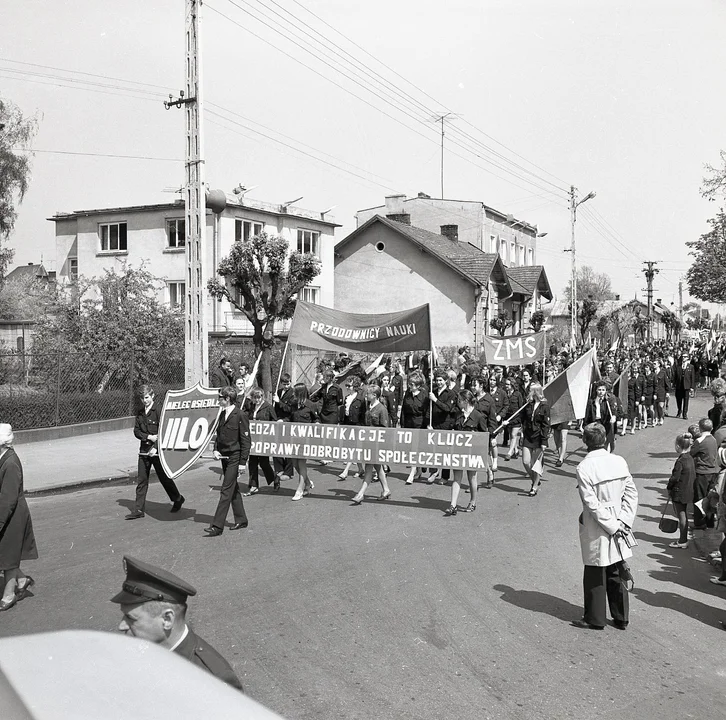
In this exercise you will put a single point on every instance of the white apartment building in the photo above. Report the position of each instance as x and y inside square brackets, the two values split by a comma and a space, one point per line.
[91, 241]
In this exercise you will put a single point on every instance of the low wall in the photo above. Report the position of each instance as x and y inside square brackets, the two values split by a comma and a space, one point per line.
[64, 431]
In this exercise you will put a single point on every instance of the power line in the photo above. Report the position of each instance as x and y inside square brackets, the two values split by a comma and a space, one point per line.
[103, 155]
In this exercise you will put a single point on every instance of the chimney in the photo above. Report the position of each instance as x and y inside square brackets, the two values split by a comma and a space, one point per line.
[395, 210]
[451, 232]
[659, 301]
[617, 297]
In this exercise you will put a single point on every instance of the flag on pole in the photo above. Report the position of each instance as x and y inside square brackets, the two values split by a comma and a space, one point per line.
[621, 387]
[251, 379]
[370, 370]
[588, 339]
[569, 392]
[614, 346]
[573, 345]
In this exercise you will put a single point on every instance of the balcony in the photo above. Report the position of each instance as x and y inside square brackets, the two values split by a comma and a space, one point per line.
[237, 323]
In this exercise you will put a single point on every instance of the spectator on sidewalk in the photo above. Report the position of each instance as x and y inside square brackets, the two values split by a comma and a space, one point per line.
[680, 486]
[705, 458]
[609, 504]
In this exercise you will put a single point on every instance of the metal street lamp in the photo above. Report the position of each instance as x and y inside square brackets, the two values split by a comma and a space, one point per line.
[574, 204]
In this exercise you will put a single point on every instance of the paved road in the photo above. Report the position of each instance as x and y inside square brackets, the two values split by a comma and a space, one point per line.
[390, 610]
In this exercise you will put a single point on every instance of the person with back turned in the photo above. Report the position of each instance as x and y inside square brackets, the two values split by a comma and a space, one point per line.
[154, 606]
[609, 503]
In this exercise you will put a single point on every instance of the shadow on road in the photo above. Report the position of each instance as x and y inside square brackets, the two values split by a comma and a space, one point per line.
[159, 511]
[540, 602]
[706, 614]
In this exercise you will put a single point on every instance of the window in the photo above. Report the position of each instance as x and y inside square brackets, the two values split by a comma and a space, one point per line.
[522, 255]
[176, 233]
[513, 254]
[73, 269]
[530, 256]
[310, 295]
[308, 242]
[177, 292]
[503, 250]
[492, 243]
[113, 237]
[246, 229]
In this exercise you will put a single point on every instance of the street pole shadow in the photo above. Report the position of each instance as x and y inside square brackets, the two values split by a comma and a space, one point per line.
[707, 614]
[159, 511]
[540, 603]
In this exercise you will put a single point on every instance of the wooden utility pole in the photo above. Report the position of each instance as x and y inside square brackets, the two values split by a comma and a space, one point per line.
[196, 341]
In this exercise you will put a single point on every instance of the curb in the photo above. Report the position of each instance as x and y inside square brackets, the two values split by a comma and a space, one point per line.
[62, 489]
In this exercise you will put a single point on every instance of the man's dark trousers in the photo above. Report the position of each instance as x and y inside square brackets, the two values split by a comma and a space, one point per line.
[683, 397]
[142, 486]
[230, 494]
[701, 487]
[599, 584]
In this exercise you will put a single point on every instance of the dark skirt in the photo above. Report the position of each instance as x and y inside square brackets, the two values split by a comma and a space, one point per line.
[17, 541]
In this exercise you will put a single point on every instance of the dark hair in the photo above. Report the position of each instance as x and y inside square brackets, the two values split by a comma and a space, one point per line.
[355, 382]
[466, 396]
[285, 378]
[594, 436]
[301, 393]
[145, 390]
[705, 425]
[223, 360]
[228, 392]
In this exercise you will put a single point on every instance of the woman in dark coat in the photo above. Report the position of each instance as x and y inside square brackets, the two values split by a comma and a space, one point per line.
[17, 541]
[415, 411]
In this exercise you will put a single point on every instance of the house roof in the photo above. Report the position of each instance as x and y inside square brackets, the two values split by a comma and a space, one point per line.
[531, 277]
[476, 266]
[28, 271]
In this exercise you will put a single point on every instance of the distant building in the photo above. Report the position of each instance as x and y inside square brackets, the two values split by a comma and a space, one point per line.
[31, 271]
[91, 241]
[486, 228]
[386, 265]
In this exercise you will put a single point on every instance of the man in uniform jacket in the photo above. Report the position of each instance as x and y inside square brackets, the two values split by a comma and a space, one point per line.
[330, 397]
[154, 605]
[684, 379]
[146, 430]
[232, 447]
[609, 504]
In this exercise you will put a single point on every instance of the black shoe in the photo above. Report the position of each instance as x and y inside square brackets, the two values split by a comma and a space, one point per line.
[451, 510]
[176, 507]
[276, 484]
[685, 417]
[239, 525]
[212, 531]
[135, 515]
[585, 625]
[620, 624]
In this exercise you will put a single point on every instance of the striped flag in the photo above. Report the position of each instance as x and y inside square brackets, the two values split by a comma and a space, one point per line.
[371, 369]
[621, 387]
[569, 392]
[614, 346]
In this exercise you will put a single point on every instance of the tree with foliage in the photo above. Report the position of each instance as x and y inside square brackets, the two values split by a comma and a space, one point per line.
[640, 325]
[698, 322]
[16, 133]
[501, 322]
[591, 284]
[706, 277]
[108, 319]
[537, 320]
[25, 298]
[586, 313]
[261, 278]
[714, 184]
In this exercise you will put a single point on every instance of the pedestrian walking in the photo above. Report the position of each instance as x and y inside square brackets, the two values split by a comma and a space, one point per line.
[153, 602]
[535, 435]
[609, 504]
[146, 430]
[17, 540]
[260, 409]
[231, 447]
[375, 416]
[303, 410]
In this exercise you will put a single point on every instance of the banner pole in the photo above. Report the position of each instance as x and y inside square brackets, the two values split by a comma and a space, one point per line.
[282, 366]
[544, 359]
[431, 383]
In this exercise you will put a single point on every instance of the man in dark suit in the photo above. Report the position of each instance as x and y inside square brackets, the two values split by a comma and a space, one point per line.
[603, 409]
[232, 447]
[684, 379]
[283, 407]
[223, 375]
[330, 397]
[154, 605]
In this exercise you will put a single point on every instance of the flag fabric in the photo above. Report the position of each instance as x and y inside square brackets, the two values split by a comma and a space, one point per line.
[621, 387]
[614, 346]
[588, 339]
[372, 367]
[573, 345]
[569, 392]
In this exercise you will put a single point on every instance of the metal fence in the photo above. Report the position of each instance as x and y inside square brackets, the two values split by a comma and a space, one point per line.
[38, 390]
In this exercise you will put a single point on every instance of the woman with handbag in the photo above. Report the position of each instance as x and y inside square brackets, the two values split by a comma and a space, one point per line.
[535, 435]
[680, 486]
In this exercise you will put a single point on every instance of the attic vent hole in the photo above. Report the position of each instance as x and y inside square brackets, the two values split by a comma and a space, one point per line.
[380, 246]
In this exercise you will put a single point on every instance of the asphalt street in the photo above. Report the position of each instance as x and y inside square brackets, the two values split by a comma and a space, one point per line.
[391, 610]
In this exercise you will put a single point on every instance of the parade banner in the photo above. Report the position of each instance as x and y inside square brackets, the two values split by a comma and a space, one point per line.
[323, 328]
[188, 421]
[514, 349]
[374, 445]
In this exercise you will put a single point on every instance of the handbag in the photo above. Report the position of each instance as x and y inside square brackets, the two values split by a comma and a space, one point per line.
[667, 524]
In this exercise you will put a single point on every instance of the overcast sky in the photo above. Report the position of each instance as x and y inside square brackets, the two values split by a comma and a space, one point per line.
[621, 97]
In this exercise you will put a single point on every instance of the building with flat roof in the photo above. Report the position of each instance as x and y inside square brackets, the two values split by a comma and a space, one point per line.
[91, 241]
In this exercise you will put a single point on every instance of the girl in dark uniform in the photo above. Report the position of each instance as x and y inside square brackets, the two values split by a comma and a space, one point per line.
[415, 412]
[536, 433]
[302, 411]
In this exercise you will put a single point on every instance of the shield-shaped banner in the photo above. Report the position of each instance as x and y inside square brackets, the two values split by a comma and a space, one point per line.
[188, 420]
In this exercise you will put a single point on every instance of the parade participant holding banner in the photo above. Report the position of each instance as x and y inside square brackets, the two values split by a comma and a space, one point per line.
[330, 397]
[516, 400]
[284, 398]
[501, 405]
[535, 432]
[232, 447]
[389, 400]
[302, 411]
[146, 430]
[468, 419]
[443, 413]
[415, 412]
[486, 406]
[354, 413]
[376, 416]
[260, 409]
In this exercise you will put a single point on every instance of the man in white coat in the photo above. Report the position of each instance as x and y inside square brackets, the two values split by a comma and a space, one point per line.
[609, 503]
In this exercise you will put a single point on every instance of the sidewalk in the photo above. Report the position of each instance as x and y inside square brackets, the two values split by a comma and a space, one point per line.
[82, 461]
